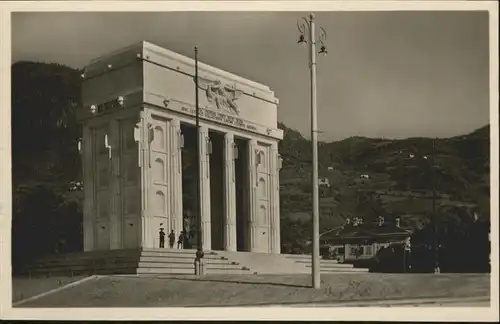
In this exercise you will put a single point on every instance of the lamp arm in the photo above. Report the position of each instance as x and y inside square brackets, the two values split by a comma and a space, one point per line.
[322, 35]
[301, 26]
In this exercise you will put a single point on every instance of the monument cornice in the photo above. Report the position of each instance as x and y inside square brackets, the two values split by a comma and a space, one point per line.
[157, 55]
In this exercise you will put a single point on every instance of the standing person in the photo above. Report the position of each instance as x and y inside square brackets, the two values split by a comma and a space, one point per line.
[162, 238]
[171, 239]
[180, 241]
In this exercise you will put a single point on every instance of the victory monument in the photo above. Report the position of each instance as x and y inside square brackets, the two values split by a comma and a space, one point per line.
[138, 154]
[140, 171]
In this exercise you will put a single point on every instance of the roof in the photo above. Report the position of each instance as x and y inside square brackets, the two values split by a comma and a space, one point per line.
[367, 230]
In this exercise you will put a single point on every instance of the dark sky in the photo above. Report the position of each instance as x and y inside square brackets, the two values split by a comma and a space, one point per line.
[388, 74]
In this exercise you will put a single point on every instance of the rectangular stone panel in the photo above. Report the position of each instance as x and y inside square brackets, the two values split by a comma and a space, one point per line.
[132, 201]
[131, 230]
[103, 203]
[131, 169]
[103, 239]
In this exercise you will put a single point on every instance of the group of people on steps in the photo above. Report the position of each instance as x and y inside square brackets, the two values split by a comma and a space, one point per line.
[171, 239]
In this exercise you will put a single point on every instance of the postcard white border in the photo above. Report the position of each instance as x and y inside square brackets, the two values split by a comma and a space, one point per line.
[370, 314]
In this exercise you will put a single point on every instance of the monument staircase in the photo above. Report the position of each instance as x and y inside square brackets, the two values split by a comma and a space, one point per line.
[144, 261]
[326, 265]
[156, 261]
[263, 263]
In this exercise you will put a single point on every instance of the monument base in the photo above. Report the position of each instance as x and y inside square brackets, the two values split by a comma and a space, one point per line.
[179, 261]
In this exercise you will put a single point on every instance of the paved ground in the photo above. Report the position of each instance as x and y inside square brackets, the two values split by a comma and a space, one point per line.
[428, 302]
[235, 290]
[24, 287]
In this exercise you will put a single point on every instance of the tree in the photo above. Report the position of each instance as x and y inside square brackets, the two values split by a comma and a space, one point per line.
[44, 159]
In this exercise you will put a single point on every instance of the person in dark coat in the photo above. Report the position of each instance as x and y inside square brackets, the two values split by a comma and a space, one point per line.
[180, 241]
[162, 238]
[171, 239]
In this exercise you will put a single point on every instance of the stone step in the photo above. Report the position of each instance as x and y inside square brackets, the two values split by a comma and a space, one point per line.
[92, 255]
[126, 268]
[176, 259]
[321, 261]
[151, 265]
[169, 254]
[225, 266]
[84, 262]
[179, 251]
[87, 265]
[160, 271]
[229, 271]
[328, 265]
[264, 263]
[156, 271]
[298, 256]
[334, 266]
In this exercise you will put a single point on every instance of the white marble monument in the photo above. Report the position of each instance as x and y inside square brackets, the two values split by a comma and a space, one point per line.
[135, 101]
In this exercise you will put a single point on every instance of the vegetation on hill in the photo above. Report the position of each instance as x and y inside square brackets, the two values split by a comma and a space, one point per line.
[45, 161]
[372, 177]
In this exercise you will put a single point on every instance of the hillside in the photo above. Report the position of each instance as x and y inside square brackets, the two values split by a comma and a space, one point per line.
[399, 177]
[45, 160]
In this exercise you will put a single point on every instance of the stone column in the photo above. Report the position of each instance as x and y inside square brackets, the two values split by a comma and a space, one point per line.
[252, 187]
[89, 212]
[144, 174]
[274, 200]
[204, 194]
[115, 219]
[229, 194]
[175, 176]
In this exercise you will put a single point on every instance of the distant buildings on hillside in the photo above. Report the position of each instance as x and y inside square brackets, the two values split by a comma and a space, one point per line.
[324, 182]
[357, 240]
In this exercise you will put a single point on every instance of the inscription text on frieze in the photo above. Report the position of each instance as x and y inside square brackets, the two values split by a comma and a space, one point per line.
[220, 117]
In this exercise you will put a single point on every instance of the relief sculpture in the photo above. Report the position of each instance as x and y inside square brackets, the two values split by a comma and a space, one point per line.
[222, 96]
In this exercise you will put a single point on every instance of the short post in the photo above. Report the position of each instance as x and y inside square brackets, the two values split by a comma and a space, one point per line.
[199, 264]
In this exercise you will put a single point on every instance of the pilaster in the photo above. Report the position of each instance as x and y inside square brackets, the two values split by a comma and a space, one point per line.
[229, 194]
[89, 214]
[176, 175]
[204, 194]
[115, 223]
[252, 212]
[144, 158]
[274, 200]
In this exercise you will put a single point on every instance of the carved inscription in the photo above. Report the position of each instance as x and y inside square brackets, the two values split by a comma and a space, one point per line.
[220, 117]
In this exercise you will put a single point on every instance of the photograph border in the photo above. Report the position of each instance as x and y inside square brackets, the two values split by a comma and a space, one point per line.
[352, 313]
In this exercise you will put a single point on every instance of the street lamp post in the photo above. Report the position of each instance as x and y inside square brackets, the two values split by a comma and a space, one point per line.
[316, 283]
[434, 216]
[199, 243]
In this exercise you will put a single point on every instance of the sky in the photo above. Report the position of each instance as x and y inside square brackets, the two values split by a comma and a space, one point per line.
[387, 74]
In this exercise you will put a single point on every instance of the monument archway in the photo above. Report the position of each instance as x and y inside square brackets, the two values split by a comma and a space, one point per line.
[138, 132]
